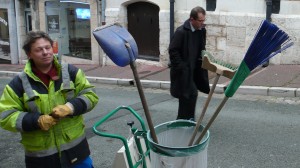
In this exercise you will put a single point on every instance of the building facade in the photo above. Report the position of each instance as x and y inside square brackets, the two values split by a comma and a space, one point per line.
[231, 26]
[69, 24]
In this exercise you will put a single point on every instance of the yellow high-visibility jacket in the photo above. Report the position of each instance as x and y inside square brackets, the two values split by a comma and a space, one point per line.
[26, 97]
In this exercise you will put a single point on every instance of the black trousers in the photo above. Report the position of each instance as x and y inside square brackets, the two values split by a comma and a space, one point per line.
[186, 108]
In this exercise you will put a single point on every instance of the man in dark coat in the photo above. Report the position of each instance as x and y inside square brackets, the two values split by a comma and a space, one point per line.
[187, 76]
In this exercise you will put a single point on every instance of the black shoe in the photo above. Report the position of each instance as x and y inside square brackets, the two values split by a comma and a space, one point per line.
[265, 64]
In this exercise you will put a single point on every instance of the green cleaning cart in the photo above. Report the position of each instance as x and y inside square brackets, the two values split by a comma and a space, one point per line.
[171, 151]
[136, 150]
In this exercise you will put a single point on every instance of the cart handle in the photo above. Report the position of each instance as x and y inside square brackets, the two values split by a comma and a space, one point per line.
[124, 140]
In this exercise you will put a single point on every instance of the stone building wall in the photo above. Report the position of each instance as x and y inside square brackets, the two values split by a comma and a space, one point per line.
[231, 27]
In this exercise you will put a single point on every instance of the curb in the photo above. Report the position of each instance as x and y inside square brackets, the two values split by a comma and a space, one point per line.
[220, 88]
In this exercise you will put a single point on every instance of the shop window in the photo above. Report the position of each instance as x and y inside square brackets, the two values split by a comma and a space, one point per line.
[4, 34]
[275, 6]
[211, 5]
[79, 32]
[68, 23]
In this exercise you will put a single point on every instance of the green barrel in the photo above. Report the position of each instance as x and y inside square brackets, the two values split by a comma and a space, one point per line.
[172, 149]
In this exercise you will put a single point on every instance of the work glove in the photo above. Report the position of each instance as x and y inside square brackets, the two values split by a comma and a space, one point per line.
[62, 111]
[45, 122]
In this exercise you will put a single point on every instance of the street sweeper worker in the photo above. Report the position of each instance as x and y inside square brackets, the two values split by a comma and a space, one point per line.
[186, 74]
[45, 104]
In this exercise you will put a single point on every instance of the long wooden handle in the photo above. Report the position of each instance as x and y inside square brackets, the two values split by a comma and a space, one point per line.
[144, 103]
[211, 120]
[204, 109]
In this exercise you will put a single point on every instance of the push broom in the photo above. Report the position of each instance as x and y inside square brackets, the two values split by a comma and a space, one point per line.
[122, 49]
[268, 41]
[219, 67]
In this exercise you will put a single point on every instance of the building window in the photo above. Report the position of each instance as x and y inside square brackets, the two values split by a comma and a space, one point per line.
[28, 21]
[275, 6]
[211, 5]
[27, 4]
[78, 22]
[28, 18]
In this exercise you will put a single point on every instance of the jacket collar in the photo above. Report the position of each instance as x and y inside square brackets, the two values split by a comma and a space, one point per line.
[187, 24]
[28, 67]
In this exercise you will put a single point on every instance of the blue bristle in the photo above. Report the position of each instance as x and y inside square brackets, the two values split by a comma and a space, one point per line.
[268, 41]
[278, 51]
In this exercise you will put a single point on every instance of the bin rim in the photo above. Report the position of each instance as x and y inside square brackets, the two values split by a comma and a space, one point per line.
[179, 151]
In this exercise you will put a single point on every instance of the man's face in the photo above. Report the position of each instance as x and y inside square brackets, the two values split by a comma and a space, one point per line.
[199, 22]
[41, 53]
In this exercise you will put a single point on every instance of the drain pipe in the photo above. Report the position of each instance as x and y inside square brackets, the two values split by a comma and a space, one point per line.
[268, 18]
[269, 10]
[103, 6]
[171, 18]
[171, 24]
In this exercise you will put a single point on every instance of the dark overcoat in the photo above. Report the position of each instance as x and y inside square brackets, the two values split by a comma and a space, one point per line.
[186, 74]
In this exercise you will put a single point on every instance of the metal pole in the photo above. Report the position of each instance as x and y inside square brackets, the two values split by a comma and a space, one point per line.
[171, 18]
[269, 10]
[268, 18]
[171, 23]
[143, 99]
[141, 92]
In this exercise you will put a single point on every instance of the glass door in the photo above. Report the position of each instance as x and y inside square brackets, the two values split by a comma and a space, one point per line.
[68, 23]
[54, 26]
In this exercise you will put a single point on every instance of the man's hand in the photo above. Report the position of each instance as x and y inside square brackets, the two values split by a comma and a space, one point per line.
[45, 122]
[62, 111]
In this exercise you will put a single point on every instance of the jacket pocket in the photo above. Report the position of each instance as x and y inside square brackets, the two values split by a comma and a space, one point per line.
[36, 141]
[73, 128]
[179, 81]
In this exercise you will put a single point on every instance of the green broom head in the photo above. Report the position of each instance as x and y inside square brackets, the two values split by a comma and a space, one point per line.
[268, 41]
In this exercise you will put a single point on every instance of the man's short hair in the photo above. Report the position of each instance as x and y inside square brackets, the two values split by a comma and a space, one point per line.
[195, 11]
[32, 36]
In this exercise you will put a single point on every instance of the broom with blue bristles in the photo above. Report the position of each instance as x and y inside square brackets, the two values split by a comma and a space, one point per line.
[268, 41]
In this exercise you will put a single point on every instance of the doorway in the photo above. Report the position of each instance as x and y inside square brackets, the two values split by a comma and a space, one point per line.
[68, 23]
[8, 31]
[143, 24]
[4, 37]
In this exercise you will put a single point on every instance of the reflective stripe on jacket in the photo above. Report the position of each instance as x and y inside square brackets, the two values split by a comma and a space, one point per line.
[27, 94]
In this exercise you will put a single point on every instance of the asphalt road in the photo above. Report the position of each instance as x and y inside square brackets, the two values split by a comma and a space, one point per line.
[250, 131]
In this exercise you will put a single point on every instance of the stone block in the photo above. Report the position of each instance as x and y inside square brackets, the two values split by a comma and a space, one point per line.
[219, 88]
[298, 92]
[214, 31]
[253, 90]
[282, 92]
[221, 43]
[150, 84]
[91, 79]
[236, 36]
[110, 81]
[164, 16]
[165, 85]
[125, 82]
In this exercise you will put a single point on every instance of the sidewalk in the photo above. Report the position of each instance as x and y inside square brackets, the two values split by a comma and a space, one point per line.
[274, 80]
